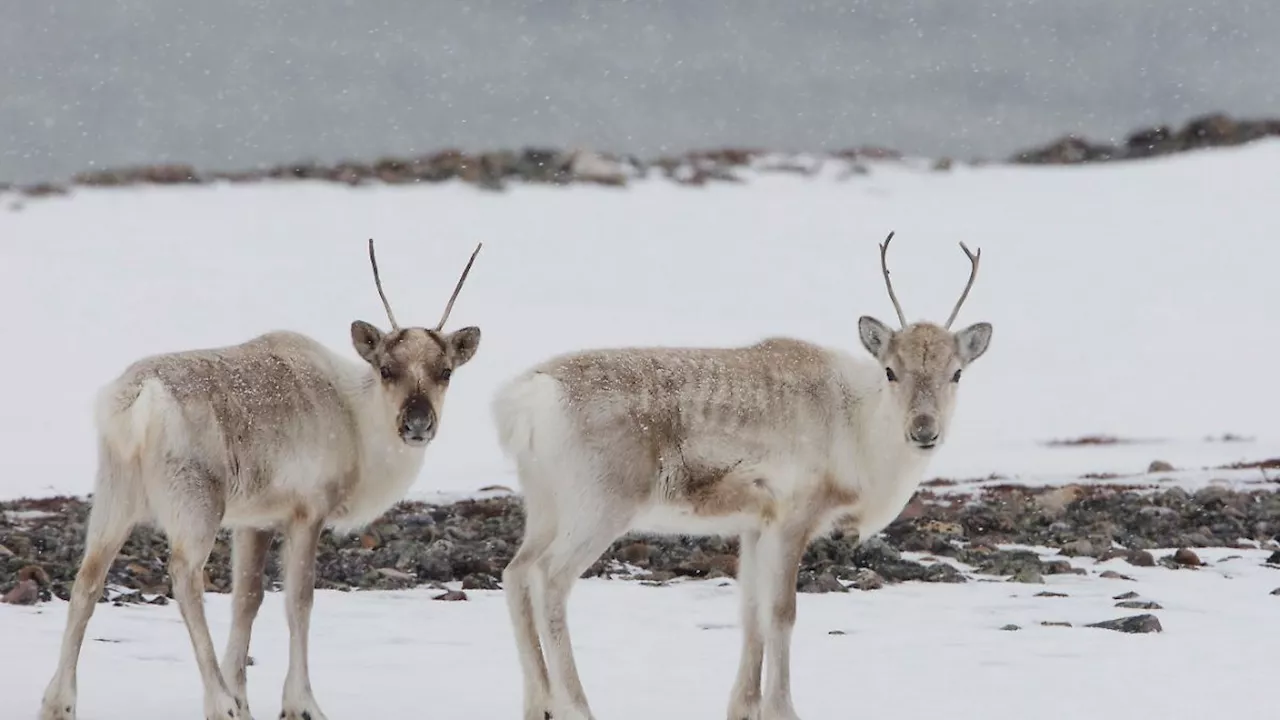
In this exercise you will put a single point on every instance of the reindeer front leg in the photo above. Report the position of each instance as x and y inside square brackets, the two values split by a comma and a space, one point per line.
[744, 702]
[778, 556]
[303, 536]
[248, 559]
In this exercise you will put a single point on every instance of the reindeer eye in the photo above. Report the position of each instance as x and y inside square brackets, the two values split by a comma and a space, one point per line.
[385, 371]
[956, 377]
[445, 374]
[888, 373]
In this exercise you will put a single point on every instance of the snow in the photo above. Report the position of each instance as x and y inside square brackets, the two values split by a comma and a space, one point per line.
[1135, 299]
[908, 651]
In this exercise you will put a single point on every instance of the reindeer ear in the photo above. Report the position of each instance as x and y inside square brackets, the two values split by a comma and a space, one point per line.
[366, 339]
[972, 341]
[875, 336]
[463, 344]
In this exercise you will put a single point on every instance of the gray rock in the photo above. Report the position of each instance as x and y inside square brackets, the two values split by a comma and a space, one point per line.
[1027, 575]
[820, 583]
[1140, 558]
[867, 579]
[1133, 624]
[1139, 605]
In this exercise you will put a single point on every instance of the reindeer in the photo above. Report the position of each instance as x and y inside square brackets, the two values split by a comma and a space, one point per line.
[775, 442]
[277, 433]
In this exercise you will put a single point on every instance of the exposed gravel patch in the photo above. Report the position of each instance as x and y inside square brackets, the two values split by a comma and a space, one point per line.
[41, 542]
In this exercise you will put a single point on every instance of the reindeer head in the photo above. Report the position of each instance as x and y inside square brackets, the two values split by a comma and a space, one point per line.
[922, 361]
[413, 365]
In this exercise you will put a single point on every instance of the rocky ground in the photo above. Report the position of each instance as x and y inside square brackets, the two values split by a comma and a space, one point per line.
[496, 170]
[471, 541]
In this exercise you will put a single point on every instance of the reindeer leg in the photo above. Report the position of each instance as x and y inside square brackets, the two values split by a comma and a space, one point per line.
[778, 556]
[110, 522]
[539, 532]
[744, 702]
[299, 587]
[248, 561]
[578, 543]
[193, 515]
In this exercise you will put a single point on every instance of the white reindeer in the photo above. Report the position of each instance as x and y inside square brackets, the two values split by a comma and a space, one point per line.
[774, 443]
[278, 433]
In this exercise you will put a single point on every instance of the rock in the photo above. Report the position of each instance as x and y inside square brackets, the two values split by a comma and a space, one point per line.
[26, 592]
[1274, 558]
[480, 581]
[944, 573]
[867, 579]
[1061, 567]
[1125, 596]
[35, 573]
[1027, 575]
[1133, 624]
[1276, 591]
[1139, 605]
[1081, 547]
[1159, 466]
[1184, 556]
[1113, 575]
[1010, 562]
[808, 582]
[836, 632]
[451, 596]
[1010, 627]
[1140, 558]
[1055, 623]
[1049, 593]
[5, 552]
[1066, 151]
[636, 553]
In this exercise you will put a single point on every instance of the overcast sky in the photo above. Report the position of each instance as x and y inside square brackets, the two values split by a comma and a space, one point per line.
[236, 83]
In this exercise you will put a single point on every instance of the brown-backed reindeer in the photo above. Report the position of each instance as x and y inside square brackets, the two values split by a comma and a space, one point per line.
[774, 443]
[278, 433]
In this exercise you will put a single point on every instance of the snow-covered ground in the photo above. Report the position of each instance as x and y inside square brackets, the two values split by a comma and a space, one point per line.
[1136, 300]
[908, 651]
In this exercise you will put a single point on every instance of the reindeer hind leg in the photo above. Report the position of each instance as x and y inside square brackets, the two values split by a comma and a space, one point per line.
[539, 531]
[584, 533]
[193, 505]
[117, 505]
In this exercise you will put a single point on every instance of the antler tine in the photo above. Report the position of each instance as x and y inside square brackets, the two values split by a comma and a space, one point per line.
[457, 288]
[973, 273]
[884, 267]
[373, 260]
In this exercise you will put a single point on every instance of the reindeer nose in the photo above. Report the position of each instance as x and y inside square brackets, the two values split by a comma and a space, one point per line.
[417, 423]
[924, 431]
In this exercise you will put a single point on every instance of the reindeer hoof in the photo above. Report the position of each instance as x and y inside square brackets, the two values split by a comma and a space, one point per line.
[60, 711]
[301, 714]
[225, 707]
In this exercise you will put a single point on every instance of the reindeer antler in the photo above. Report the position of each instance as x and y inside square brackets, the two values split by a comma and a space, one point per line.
[373, 260]
[448, 308]
[973, 273]
[884, 267]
